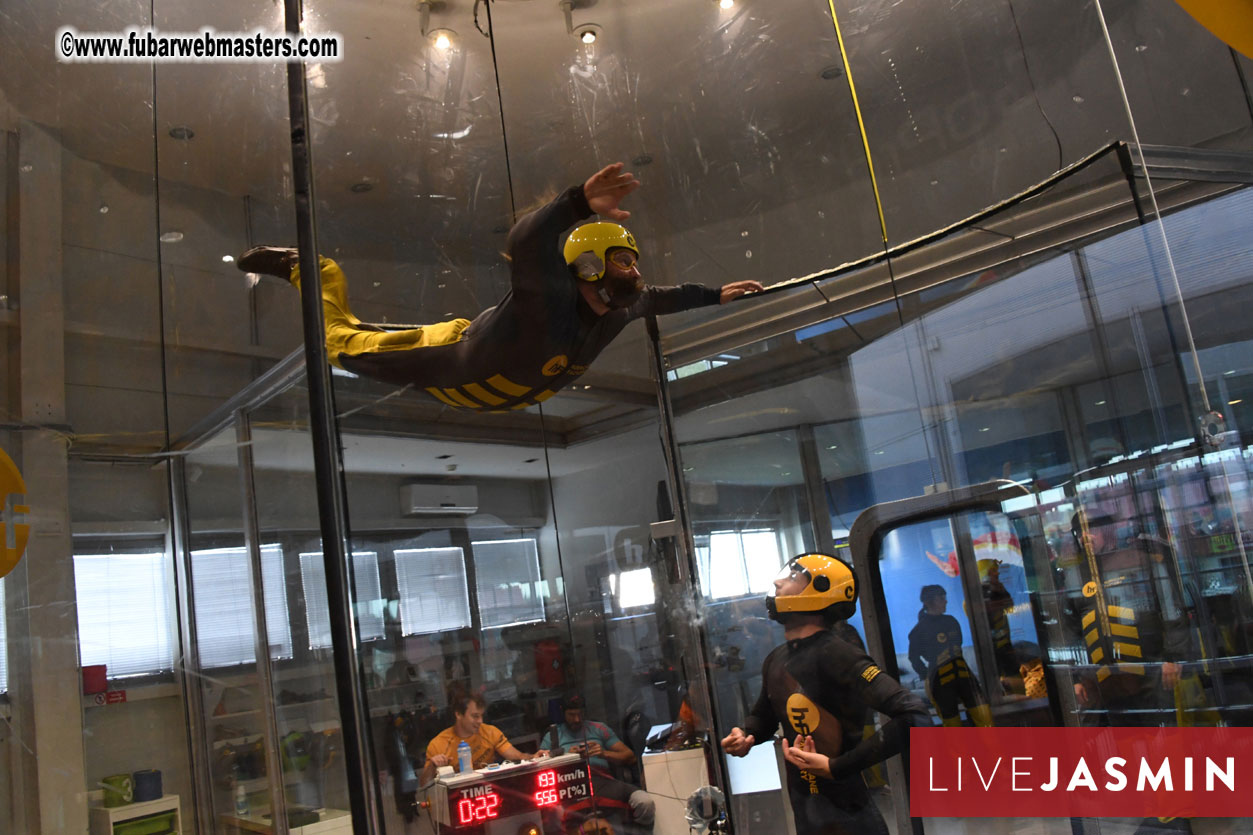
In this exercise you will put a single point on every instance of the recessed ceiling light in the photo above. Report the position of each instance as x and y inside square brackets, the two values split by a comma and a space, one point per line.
[726, 4]
[986, 429]
[171, 237]
[228, 259]
[878, 452]
[831, 72]
[361, 187]
[1100, 402]
[443, 39]
[833, 446]
[1234, 402]
[587, 33]
[181, 132]
[1229, 373]
[688, 469]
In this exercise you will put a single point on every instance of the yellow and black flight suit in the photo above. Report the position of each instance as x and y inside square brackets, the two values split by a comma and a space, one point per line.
[537, 340]
[821, 686]
[935, 652]
[998, 603]
[1133, 620]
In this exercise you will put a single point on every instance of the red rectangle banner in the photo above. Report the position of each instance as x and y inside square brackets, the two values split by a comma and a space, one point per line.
[1081, 772]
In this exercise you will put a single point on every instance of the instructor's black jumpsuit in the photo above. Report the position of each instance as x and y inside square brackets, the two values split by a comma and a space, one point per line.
[823, 674]
[536, 341]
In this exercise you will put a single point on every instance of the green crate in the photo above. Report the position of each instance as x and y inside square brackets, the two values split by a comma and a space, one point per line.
[161, 823]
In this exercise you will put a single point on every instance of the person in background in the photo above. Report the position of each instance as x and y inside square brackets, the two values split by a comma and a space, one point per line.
[935, 652]
[604, 751]
[487, 743]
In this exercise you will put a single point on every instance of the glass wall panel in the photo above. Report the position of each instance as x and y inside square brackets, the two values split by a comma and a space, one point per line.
[737, 119]
[231, 709]
[966, 104]
[307, 721]
[1065, 371]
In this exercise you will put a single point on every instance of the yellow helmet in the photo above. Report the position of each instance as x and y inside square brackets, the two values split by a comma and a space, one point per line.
[986, 566]
[830, 589]
[586, 247]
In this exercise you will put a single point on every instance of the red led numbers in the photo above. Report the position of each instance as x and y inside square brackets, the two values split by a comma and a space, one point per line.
[547, 794]
[481, 808]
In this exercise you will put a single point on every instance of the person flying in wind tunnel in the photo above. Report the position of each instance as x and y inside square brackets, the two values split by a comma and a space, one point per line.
[564, 306]
[819, 686]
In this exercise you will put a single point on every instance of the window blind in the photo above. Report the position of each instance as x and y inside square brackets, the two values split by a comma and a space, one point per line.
[4, 641]
[506, 580]
[124, 612]
[223, 603]
[368, 605]
[434, 595]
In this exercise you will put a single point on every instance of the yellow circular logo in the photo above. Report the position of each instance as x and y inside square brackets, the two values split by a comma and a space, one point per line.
[555, 366]
[1089, 589]
[802, 714]
[11, 487]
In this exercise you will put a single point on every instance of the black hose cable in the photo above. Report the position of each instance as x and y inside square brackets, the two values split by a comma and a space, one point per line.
[476, 18]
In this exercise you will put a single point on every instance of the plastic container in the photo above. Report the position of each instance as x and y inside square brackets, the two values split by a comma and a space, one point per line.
[241, 801]
[162, 823]
[465, 759]
[95, 679]
[147, 785]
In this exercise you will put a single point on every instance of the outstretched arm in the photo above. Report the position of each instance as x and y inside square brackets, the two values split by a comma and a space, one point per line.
[532, 242]
[736, 289]
[606, 189]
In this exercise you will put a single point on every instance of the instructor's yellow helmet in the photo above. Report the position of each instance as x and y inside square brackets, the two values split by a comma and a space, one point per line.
[586, 247]
[830, 590]
[985, 568]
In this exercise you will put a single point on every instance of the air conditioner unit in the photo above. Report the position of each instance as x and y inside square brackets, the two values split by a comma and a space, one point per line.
[439, 499]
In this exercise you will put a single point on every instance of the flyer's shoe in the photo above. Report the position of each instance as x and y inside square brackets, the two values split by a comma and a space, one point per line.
[277, 261]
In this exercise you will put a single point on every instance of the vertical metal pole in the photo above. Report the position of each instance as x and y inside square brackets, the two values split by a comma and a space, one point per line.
[363, 797]
[815, 491]
[686, 551]
[265, 683]
[189, 667]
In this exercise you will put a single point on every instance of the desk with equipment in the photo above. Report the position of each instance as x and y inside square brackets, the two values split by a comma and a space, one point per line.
[506, 798]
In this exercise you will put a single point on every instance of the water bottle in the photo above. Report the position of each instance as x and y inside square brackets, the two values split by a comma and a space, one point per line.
[465, 761]
[241, 801]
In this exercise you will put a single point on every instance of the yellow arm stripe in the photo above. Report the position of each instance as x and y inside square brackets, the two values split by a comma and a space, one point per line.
[1092, 637]
[434, 392]
[1123, 631]
[1088, 618]
[504, 384]
[544, 395]
[1097, 655]
[483, 394]
[461, 398]
[1122, 612]
[1126, 650]
[522, 405]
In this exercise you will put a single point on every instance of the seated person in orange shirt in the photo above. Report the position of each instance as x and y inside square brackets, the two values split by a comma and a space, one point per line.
[487, 743]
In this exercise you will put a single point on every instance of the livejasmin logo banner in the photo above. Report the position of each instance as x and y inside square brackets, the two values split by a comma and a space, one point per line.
[1081, 772]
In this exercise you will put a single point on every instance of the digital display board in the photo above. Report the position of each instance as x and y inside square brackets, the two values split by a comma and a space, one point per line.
[518, 791]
